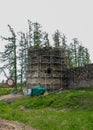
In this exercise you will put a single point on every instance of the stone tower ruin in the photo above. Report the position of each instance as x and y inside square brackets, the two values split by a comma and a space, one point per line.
[46, 66]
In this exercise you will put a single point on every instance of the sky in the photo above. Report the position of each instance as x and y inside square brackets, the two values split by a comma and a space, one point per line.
[74, 18]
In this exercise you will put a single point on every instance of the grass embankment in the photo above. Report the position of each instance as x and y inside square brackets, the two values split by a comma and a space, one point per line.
[70, 110]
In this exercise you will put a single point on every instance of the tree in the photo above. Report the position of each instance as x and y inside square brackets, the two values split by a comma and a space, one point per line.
[23, 56]
[56, 38]
[69, 57]
[21, 59]
[29, 35]
[46, 42]
[87, 57]
[80, 55]
[75, 51]
[77, 55]
[64, 41]
[9, 56]
[37, 35]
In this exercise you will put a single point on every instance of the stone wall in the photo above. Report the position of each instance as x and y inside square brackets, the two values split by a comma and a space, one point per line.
[80, 76]
[45, 66]
[48, 66]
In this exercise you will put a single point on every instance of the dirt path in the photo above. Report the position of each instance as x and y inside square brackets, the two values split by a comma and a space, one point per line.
[11, 97]
[13, 125]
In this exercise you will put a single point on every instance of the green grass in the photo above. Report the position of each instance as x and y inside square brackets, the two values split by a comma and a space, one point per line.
[5, 90]
[70, 110]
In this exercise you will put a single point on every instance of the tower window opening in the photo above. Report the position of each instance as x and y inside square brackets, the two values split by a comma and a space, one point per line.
[49, 71]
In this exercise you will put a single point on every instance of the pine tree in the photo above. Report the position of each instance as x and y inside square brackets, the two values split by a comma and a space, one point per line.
[80, 55]
[87, 57]
[75, 51]
[46, 42]
[69, 58]
[56, 38]
[23, 57]
[64, 41]
[9, 56]
[37, 35]
[29, 35]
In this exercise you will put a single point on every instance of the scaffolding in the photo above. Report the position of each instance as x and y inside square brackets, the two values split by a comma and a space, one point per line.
[46, 66]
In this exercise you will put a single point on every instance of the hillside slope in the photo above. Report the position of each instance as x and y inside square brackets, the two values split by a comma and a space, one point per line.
[69, 110]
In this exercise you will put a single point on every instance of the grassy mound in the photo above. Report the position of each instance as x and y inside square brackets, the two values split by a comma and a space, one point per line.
[73, 100]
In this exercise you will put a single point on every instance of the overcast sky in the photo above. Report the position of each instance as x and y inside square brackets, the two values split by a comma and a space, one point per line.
[74, 18]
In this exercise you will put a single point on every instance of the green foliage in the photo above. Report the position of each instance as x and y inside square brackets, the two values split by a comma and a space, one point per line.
[9, 56]
[23, 55]
[64, 42]
[5, 90]
[37, 35]
[56, 38]
[77, 55]
[46, 40]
